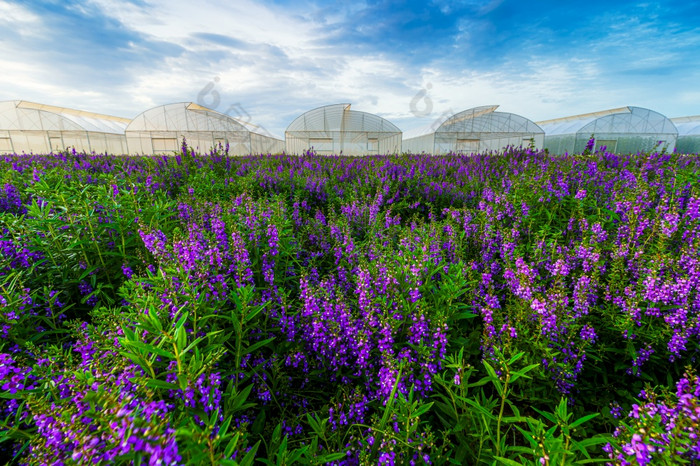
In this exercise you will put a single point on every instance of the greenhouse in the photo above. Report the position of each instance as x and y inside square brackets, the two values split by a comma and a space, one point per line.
[622, 130]
[688, 134]
[161, 129]
[335, 129]
[479, 129]
[32, 127]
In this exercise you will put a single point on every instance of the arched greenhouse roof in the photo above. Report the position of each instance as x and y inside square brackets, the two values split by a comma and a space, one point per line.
[687, 126]
[487, 120]
[188, 116]
[21, 115]
[484, 119]
[339, 117]
[623, 120]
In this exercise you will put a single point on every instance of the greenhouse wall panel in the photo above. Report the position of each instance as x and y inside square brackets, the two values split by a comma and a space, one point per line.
[336, 129]
[204, 129]
[688, 134]
[688, 145]
[419, 144]
[624, 130]
[33, 127]
[479, 129]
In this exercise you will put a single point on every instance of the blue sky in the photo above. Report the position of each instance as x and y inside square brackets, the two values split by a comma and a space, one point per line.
[411, 62]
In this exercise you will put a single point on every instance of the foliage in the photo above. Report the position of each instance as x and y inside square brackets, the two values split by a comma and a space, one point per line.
[493, 309]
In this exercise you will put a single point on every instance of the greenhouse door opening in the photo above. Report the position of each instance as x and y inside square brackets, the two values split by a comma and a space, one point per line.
[372, 145]
[5, 145]
[56, 144]
[164, 144]
[467, 146]
[610, 144]
[321, 144]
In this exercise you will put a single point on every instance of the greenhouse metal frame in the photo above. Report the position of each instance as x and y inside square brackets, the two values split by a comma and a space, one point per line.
[161, 130]
[688, 134]
[622, 130]
[336, 129]
[38, 128]
[476, 130]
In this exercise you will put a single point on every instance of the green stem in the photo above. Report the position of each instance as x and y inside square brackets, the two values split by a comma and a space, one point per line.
[239, 336]
[566, 449]
[95, 241]
[504, 395]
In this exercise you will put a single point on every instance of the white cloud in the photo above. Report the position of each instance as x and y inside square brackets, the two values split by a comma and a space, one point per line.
[13, 14]
[479, 6]
[175, 21]
[18, 20]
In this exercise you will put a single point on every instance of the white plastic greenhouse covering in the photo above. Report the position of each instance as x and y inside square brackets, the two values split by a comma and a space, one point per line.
[335, 129]
[32, 127]
[622, 130]
[479, 129]
[161, 129]
[688, 134]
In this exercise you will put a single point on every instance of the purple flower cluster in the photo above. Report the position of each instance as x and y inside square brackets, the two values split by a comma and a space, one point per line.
[11, 200]
[13, 378]
[98, 414]
[661, 429]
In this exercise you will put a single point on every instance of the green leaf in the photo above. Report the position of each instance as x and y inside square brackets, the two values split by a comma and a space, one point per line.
[295, 455]
[257, 345]
[515, 358]
[523, 372]
[580, 421]
[387, 412]
[493, 377]
[547, 416]
[224, 425]
[464, 315]
[191, 345]
[482, 410]
[136, 359]
[180, 337]
[253, 313]
[154, 320]
[259, 423]
[507, 461]
[421, 410]
[155, 383]
[150, 349]
[330, 457]
[228, 451]
[315, 425]
[181, 321]
[513, 419]
[528, 436]
[128, 334]
[248, 459]
[596, 440]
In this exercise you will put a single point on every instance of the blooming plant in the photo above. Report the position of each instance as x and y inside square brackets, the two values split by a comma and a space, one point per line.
[408, 309]
[661, 428]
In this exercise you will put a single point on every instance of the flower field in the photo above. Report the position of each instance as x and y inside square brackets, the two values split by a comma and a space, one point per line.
[511, 308]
